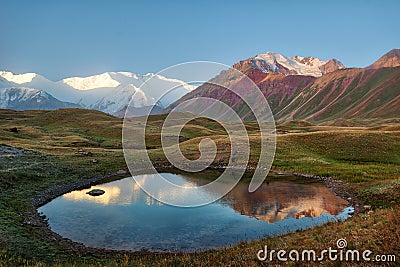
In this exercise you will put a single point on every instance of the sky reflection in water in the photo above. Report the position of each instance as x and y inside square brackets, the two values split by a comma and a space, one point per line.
[127, 218]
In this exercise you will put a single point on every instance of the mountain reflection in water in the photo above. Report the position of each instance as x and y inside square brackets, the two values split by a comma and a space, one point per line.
[272, 202]
[126, 218]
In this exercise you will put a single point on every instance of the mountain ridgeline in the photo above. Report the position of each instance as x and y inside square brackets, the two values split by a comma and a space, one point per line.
[110, 92]
[317, 91]
[297, 88]
[22, 98]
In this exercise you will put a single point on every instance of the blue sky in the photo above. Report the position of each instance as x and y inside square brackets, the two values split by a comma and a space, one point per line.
[77, 38]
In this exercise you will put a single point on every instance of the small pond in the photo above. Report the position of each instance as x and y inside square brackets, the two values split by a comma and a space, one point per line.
[126, 218]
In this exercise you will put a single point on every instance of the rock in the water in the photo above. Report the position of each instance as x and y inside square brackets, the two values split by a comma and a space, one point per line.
[96, 192]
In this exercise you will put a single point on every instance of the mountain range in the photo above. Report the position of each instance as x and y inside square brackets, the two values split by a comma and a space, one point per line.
[276, 63]
[310, 89]
[22, 98]
[109, 92]
[297, 88]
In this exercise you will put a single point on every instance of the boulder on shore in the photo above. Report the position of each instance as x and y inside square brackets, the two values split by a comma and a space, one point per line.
[13, 130]
[120, 172]
[367, 207]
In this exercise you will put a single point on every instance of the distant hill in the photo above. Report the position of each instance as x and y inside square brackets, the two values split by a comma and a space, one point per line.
[390, 59]
[67, 126]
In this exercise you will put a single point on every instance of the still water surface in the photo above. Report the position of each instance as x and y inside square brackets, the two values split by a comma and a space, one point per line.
[127, 218]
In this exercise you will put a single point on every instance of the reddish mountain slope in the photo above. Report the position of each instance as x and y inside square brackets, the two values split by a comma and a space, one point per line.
[278, 88]
[370, 93]
[390, 59]
[348, 94]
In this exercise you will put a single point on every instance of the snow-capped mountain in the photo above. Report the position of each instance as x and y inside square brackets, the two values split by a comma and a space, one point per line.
[92, 82]
[36, 81]
[112, 91]
[22, 98]
[277, 63]
[18, 78]
[109, 92]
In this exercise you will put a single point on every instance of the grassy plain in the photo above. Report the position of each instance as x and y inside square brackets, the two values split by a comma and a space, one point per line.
[365, 158]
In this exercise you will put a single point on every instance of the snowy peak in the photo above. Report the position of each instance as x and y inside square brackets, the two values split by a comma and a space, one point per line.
[187, 86]
[91, 82]
[115, 79]
[22, 98]
[309, 61]
[17, 78]
[109, 92]
[277, 63]
[21, 93]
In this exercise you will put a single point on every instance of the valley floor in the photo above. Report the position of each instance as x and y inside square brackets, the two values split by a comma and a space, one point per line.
[45, 153]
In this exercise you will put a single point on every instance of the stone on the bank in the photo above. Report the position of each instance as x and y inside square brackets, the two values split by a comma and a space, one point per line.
[367, 207]
[121, 172]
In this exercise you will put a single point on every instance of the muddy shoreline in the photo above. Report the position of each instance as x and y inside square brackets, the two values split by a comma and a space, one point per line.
[39, 221]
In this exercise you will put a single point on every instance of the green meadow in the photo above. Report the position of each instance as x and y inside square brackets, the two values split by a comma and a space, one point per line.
[365, 158]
